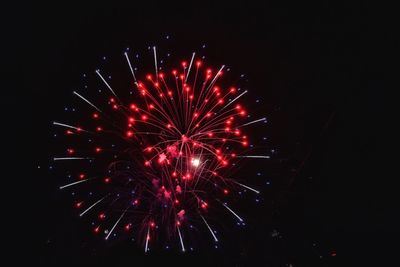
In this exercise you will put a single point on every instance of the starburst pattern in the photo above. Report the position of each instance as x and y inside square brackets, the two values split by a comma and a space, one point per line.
[178, 137]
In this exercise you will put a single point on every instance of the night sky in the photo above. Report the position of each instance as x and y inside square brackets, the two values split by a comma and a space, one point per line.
[314, 67]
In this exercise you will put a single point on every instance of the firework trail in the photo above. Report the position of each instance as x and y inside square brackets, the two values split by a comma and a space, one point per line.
[172, 160]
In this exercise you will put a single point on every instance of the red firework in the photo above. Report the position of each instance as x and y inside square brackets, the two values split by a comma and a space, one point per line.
[178, 137]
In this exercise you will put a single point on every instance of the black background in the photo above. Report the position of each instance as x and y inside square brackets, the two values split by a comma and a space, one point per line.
[320, 69]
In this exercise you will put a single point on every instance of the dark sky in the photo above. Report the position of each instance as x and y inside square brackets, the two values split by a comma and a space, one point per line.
[320, 70]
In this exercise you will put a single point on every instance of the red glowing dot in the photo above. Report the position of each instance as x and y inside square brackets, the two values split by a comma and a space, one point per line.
[151, 106]
[232, 90]
[78, 204]
[98, 149]
[99, 129]
[149, 149]
[174, 72]
[147, 163]
[148, 77]
[95, 115]
[136, 202]
[69, 132]
[244, 143]
[82, 176]
[133, 106]
[184, 64]
[131, 120]
[127, 227]
[152, 224]
[112, 100]
[178, 223]
[129, 133]
[102, 216]
[107, 180]
[176, 201]
[226, 191]
[174, 174]
[70, 151]
[198, 63]
[204, 205]
[144, 117]
[184, 138]
[115, 106]
[96, 230]
[161, 75]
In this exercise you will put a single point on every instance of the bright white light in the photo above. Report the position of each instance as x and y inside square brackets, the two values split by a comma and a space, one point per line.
[195, 162]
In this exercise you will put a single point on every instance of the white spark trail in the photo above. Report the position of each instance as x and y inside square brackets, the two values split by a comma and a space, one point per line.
[190, 66]
[209, 228]
[237, 216]
[70, 158]
[106, 83]
[146, 247]
[180, 237]
[87, 101]
[68, 126]
[97, 202]
[112, 229]
[255, 121]
[155, 61]
[236, 98]
[74, 183]
[254, 157]
[130, 67]
[248, 187]
[217, 75]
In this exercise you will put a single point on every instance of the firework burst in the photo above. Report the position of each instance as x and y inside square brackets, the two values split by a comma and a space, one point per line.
[177, 137]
